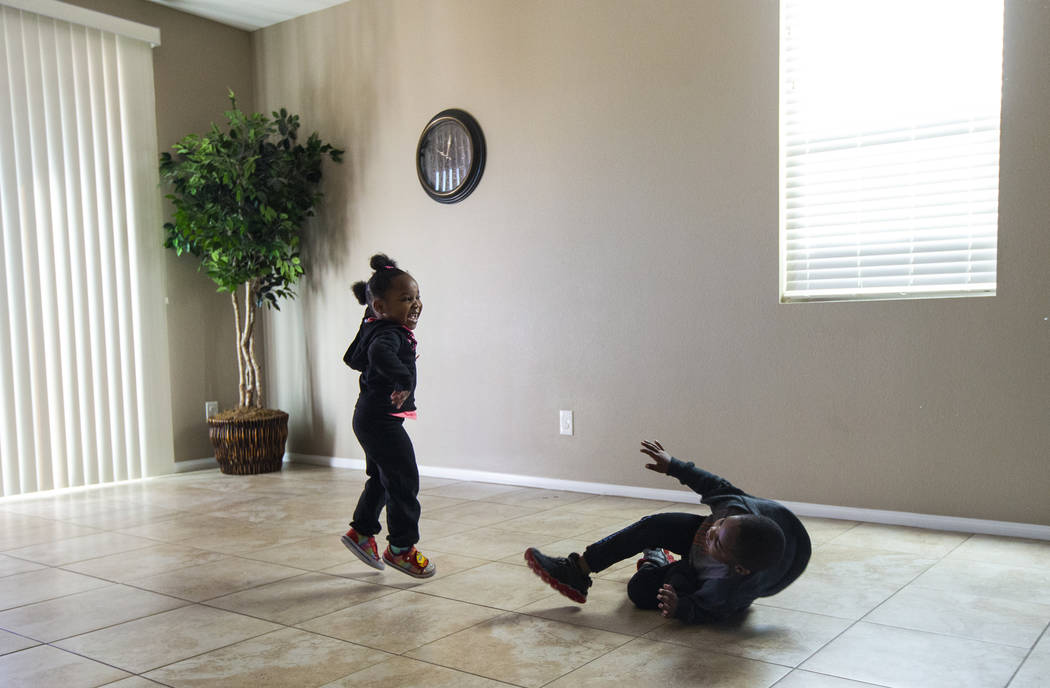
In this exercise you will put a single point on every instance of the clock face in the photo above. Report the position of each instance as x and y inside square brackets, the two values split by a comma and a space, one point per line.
[444, 157]
[450, 156]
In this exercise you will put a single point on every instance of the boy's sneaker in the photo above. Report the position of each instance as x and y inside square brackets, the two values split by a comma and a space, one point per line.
[364, 548]
[411, 561]
[655, 557]
[561, 573]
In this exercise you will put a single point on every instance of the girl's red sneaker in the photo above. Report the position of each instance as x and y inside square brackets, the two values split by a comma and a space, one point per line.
[411, 561]
[364, 547]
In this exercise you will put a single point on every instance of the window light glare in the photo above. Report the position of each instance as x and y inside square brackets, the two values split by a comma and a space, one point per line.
[890, 147]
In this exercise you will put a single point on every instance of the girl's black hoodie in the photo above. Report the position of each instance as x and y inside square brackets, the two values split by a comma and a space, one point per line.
[385, 353]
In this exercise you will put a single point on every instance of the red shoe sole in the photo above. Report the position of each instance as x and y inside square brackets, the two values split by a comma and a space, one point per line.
[569, 592]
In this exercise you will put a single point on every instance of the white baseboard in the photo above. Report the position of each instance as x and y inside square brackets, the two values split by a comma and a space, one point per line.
[898, 518]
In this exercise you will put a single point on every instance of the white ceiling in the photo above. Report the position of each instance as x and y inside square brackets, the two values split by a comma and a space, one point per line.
[249, 14]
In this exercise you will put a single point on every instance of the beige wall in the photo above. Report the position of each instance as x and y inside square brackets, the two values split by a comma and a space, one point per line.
[619, 258]
[196, 62]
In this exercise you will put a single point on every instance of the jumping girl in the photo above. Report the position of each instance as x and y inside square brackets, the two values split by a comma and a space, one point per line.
[384, 350]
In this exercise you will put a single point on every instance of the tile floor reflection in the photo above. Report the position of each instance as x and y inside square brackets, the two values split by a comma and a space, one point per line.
[203, 579]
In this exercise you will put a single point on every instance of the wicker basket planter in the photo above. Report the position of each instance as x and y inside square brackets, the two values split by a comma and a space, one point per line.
[249, 446]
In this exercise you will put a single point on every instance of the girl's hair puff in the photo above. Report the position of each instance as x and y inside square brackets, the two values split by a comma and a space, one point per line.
[385, 271]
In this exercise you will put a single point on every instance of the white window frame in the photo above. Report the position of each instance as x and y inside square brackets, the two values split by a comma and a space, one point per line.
[889, 166]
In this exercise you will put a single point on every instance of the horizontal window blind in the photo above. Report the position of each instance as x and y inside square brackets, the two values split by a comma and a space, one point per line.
[84, 382]
[889, 116]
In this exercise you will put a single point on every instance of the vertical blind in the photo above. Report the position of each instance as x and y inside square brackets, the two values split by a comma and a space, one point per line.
[84, 393]
[889, 115]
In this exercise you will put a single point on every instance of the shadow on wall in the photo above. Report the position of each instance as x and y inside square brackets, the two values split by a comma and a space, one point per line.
[332, 83]
[341, 93]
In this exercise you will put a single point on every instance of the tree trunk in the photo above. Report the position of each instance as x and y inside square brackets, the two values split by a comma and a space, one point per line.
[249, 374]
[256, 372]
[245, 349]
[241, 382]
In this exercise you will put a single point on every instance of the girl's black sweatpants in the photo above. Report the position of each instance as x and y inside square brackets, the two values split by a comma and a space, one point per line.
[393, 479]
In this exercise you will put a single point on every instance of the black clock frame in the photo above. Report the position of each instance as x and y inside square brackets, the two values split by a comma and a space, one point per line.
[477, 163]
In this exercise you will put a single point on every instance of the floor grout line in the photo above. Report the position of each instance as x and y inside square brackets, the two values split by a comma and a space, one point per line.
[1045, 634]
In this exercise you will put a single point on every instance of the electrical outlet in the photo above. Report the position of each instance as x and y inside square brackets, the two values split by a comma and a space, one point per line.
[210, 409]
[565, 422]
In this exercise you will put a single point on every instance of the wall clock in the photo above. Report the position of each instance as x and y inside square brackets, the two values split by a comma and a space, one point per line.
[450, 156]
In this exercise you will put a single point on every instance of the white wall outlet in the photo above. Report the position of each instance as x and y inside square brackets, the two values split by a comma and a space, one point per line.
[565, 422]
[210, 409]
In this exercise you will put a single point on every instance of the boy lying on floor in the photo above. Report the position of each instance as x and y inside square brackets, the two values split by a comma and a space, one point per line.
[749, 547]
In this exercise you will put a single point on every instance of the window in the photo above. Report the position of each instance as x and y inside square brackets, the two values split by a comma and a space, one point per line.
[889, 164]
[84, 378]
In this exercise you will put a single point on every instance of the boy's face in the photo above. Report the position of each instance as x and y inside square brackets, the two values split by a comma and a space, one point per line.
[720, 542]
[401, 303]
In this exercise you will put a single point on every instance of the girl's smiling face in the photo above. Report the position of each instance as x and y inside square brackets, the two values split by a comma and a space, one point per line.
[401, 303]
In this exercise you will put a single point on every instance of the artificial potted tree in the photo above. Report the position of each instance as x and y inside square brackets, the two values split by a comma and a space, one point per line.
[241, 197]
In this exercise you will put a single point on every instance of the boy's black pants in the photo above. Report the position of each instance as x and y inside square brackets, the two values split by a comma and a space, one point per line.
[393, 479]
[670, 531]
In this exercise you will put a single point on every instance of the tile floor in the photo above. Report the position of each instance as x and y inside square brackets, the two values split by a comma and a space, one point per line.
[204, 579]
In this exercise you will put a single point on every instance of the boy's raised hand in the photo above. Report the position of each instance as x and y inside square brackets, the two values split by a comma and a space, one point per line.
[661, 459]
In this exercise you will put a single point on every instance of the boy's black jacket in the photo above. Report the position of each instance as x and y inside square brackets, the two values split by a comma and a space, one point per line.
[385, 354]
[719, 598]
